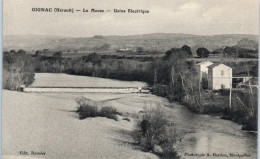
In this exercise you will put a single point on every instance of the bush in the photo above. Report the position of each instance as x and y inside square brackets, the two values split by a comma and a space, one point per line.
[108, 112]
[88, 109]
[154, 134]
[251, 124]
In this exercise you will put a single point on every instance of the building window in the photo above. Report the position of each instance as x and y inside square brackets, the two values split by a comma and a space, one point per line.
[222, 72]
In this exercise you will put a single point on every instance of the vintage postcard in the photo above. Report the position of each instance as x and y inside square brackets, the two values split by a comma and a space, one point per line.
[133, 79]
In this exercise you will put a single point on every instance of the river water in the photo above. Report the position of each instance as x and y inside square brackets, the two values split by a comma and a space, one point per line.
[205, 134]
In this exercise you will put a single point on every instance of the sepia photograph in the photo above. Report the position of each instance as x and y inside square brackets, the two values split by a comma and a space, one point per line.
[132, 79]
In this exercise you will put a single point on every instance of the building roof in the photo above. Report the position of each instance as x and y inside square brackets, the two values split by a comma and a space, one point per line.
[215, 65]
[204, 62]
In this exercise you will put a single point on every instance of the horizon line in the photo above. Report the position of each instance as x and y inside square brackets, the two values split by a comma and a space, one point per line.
[125, 35]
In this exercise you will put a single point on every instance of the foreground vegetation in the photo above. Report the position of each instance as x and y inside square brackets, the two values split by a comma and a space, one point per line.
[18, 69]
[153, 133]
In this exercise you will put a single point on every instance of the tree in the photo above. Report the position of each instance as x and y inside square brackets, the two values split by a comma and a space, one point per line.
[38, 53]
[217, 51]
[57, 55]
[21, 51]
[229, 51]
[178, 52]
[203, 52]
[187, 49]
[185, 83]
[12, 51]
[93, 57]
[139, 49]
[18, 69]
[46, 51]
[8, 58]
[254, 71]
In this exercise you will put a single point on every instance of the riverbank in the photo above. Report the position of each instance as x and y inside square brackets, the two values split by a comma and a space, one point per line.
[243, 109]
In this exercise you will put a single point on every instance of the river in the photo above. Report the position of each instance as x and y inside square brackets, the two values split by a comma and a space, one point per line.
[210, 134]
[201, 134]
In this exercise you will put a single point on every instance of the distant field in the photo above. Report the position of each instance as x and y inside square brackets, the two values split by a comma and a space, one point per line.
[149, 54]
[108, 53]
[216, 59]
[65, 80]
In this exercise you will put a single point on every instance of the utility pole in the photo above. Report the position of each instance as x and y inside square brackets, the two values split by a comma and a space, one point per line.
[230, 96]
[230, 92]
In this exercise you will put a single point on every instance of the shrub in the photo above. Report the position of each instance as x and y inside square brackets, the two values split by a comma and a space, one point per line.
[108, 112]
[154, 134]
[251, 124]
[88, 108]
[86, 111]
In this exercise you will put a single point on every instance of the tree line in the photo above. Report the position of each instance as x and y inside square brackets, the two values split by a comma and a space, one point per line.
[233, 51]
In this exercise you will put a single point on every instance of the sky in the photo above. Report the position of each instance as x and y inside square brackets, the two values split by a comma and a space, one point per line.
[200, 17]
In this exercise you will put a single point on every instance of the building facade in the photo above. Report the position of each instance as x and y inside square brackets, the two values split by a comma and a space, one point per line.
[202, 69]
[219, 77]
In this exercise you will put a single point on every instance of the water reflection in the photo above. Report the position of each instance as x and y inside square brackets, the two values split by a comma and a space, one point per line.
[208, 134]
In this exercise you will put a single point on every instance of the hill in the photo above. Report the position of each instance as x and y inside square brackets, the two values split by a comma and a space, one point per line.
[157, 41]
[247, 44]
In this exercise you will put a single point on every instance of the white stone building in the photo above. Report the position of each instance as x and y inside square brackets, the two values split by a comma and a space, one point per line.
[202, 69]
[219, 77]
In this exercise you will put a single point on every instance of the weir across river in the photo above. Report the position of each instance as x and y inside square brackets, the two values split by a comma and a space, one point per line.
[87, 89]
